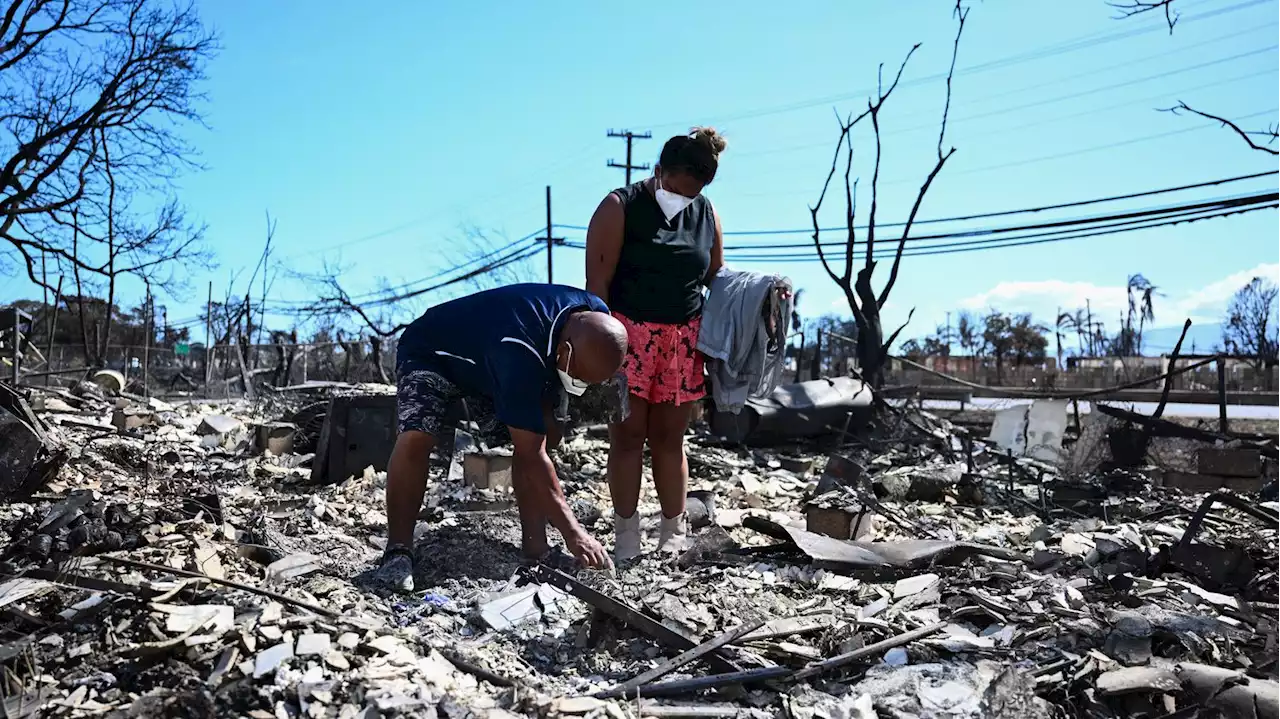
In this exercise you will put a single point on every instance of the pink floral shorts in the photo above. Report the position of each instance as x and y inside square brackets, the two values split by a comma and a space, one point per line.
[663, 364]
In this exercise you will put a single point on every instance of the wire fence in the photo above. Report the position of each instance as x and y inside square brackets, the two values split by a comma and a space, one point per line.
[220, 370]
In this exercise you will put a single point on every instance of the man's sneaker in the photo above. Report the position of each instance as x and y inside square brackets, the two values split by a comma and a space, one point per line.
[396, 570]
[626, 537]
[673, 534]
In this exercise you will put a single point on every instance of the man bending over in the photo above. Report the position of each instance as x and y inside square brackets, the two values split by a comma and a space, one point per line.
[506, 353]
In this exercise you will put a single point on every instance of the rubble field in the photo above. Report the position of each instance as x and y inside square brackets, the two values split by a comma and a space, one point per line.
[179, 561]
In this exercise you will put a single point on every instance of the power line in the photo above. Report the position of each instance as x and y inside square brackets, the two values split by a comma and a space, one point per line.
[1046, 158]
[1071, 222]
[1049, 230]
[1002, 213]
[517, 255]
[888, 248]
[430, 278]
[1164, 96]
[545, 172]
[1081, 43]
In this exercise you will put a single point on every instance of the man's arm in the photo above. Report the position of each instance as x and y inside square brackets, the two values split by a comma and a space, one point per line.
[519, 381]
[534, 469]
[532, 461]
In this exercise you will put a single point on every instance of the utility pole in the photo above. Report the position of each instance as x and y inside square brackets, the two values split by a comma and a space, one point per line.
[551, 240]
[149, 324]
[208, 328]
[629, 136]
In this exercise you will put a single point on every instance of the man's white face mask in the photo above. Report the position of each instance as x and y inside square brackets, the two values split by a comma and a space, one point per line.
[572, 385]
[671, 203]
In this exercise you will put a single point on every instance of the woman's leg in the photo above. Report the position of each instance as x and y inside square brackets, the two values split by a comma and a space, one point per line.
[666, 429]
[626, 458]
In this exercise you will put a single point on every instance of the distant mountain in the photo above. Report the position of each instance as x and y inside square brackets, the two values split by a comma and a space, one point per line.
[1204, 337]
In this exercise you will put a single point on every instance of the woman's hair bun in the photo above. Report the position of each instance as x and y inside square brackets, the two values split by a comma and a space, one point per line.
[709, 137]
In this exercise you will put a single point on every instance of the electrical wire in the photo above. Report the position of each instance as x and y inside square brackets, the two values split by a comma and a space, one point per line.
[1001, 213]
[1120, 221]
[1068, 46]
[1067, 223]
[1163, 97]
[888, 248]
[517, 255]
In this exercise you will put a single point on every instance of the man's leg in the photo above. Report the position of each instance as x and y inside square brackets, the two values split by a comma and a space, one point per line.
[421, 400]
[406, 484]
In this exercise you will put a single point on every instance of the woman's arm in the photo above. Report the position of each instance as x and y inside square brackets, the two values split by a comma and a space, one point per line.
[604, 244]
[717, 251]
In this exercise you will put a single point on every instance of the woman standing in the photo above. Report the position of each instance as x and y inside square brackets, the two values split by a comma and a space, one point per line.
[651, 248]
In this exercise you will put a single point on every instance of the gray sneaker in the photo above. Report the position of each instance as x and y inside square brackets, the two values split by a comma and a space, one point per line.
[396, 570]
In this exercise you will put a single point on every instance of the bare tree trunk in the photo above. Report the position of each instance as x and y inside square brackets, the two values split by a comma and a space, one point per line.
[245, 377]
[376, 341]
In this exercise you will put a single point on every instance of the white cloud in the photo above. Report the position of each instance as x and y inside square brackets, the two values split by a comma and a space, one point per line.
[1209, 303]
[1043, 298]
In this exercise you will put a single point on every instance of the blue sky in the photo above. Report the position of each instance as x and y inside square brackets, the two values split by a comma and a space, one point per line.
[375, 134]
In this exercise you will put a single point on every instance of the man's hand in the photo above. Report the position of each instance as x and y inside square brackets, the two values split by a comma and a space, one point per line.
[589, 552]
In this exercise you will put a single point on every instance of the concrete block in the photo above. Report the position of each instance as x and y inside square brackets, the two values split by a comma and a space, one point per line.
[487, 470]
[276, 437]
[1243, 462]
[125, 420]
[840, 471]
[799, 466]
[837, 522]
[218, 424]
[1204, 483]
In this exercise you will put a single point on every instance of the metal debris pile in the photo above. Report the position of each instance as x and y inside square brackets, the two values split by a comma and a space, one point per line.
[182, 561]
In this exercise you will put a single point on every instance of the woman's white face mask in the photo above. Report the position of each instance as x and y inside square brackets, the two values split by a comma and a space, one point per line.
[671, 203]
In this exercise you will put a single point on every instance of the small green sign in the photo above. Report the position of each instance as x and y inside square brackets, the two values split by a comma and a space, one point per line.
[182, 349]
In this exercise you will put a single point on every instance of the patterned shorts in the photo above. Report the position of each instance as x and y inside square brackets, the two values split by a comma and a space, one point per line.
[427, 402]
[663, 364]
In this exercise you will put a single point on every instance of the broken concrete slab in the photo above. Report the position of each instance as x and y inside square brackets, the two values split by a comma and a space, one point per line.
[1234, 462]
[490, 469]
[293, 566]
[218, 424]
[1205, 483]
[837, 521]
[132, 418]
[275, 437]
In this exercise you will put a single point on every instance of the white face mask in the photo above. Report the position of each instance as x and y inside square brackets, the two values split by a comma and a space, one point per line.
[671, 203]
[573, 386]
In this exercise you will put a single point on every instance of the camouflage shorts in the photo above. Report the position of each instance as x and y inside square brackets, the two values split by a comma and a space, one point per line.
[428, 402]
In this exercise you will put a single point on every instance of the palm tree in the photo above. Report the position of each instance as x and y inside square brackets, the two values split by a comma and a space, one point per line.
[1141, 304]
[1068, 321]
[969, 336]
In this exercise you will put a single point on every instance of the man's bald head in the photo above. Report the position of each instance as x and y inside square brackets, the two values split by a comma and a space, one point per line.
[599, 345]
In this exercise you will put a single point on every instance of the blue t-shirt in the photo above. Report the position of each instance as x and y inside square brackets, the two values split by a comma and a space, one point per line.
[499, 343]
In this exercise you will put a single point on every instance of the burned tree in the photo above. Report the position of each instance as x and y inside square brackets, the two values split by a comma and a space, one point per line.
[1268, 137]
[95, 95]
[480, 260]
[1131, 8]
[865, 304]
[1250, 325]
